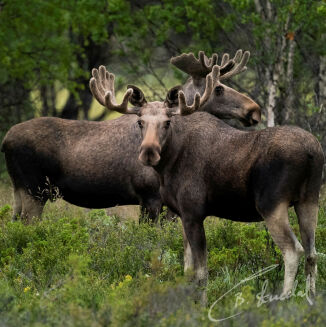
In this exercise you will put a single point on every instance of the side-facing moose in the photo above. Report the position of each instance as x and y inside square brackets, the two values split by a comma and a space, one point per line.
[94, 164]
[206, 168]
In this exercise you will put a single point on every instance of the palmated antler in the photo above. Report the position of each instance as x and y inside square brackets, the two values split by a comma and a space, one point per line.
[102, 88]
[188, 63]
[199, 68]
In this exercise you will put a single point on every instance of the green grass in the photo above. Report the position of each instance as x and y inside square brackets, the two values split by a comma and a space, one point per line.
[79, 268]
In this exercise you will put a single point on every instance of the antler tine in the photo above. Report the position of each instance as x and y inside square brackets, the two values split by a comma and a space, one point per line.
[102, 88]
[215, 75]
[206, 62]
[225, 59]
[208, 89]
[240, 65]
[214, 59]
[96, 87]
[184, 109]
[238, 55]
[123, 107]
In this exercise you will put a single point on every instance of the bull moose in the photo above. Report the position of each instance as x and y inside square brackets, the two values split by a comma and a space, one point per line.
[94, 164]
[207, 167]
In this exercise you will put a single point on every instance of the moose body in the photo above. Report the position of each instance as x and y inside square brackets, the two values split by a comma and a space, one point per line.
[92, 164]
[209, 168]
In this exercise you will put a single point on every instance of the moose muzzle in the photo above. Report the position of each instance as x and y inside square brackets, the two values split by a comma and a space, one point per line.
[253, 116]
[150, 154]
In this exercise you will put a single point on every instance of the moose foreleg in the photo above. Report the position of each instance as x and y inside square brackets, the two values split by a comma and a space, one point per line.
[196, 253]
[17, 208]
[31, 207]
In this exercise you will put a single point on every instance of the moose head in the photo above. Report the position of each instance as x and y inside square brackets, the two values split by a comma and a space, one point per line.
[224, 102]
[154, 117]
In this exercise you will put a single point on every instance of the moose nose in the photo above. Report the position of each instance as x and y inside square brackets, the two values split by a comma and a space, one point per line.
[253, 114]
[150, 154]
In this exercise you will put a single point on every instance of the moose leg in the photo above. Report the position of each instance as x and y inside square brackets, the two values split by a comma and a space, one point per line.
[195, 234]
[31, 207]
[150, 209]
[17, 205]
[278, 225]
[307, 215]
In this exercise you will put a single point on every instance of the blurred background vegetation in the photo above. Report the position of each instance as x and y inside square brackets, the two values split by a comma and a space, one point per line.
[48, 48]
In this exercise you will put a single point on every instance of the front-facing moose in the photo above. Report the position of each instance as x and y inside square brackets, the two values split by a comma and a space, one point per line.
[209, 168]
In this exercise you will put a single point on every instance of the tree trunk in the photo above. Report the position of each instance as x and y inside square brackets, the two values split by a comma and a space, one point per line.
[289, 100]
[271, 101]
[44, 98]
[71, 108]
[322, 81]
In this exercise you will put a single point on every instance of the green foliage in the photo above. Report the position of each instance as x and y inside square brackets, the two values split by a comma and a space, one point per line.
[89, 269]
[35, 43]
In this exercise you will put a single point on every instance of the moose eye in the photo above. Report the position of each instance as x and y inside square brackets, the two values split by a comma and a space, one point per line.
[140, 123]
[167, 124]
[219, 90]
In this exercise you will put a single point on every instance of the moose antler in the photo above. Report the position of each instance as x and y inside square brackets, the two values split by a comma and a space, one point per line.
[199, 101]
[240, 60]
[102, 88]
[188, 63]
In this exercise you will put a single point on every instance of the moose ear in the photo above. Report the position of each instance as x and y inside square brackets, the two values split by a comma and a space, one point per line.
[137, 98]
[172, 99]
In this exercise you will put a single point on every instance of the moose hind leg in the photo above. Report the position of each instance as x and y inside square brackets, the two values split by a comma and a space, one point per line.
[277, 222]
[187, 255]
[17, 209]
[307, 215]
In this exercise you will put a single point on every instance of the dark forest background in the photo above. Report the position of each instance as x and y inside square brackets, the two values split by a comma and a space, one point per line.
[48, 48]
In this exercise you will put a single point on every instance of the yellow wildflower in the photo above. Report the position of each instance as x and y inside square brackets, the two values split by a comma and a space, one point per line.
[26, 289]
[128, 278]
